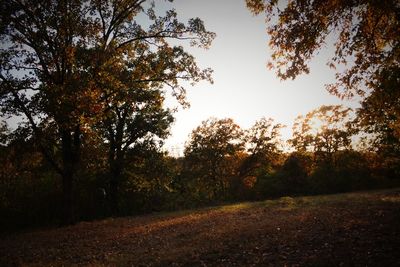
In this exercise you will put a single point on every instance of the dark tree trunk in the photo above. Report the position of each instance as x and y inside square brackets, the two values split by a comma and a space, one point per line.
[68, 207]
[115, 177]
[70, 157]
[115, 160]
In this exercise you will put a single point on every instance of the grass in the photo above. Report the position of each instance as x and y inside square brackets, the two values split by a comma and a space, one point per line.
[352, 229]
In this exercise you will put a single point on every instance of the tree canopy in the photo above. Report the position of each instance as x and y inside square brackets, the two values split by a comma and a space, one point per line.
[366, 40]
[366, 37]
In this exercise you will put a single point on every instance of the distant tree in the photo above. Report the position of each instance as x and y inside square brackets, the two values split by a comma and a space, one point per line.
[263, 145]
[295, 171]
[211, 147]
[323, 131]
[56, 57]
[367, 50]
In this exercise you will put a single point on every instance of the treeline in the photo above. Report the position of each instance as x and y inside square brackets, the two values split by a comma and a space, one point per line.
[221, 163]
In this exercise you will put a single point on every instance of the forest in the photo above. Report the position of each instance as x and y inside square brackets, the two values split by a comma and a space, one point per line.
[87, 82]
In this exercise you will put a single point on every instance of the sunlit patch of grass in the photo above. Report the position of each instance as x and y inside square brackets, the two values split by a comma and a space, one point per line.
[283, 203]
[237, 207]
[393, 199]
[288, 203]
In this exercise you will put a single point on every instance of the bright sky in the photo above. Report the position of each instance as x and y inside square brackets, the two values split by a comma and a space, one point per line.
[244, 89]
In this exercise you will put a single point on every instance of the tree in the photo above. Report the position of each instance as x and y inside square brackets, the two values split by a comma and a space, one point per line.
[324, 131]
[209, 150]
[381, 121]
[56, 57]
[139, 118]
[135, 97]
[263, 143]
[367, 48]
[295, 171]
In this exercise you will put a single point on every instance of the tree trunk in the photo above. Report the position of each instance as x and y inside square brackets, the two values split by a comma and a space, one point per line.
[70, 156]
[68, 206]
[115, 177]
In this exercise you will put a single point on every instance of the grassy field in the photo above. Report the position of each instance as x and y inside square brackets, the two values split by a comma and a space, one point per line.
[354, 229]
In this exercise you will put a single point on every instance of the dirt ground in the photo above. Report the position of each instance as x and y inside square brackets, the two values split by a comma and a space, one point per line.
[356, 229]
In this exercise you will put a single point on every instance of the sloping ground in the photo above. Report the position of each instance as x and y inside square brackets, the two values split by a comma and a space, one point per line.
[356, 229]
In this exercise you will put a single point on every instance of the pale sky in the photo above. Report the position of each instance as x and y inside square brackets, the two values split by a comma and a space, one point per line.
[244, 89]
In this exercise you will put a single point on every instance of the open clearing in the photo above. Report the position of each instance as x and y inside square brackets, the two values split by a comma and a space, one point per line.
[354, 229]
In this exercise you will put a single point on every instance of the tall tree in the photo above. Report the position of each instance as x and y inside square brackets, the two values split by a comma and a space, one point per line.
[134, 89]
[57, 55]
[367, 50]
[41, 79]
